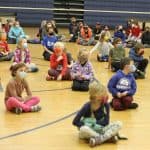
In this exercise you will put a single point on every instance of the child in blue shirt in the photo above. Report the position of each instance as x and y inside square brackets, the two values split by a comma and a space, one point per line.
[48, 43]
[122, 86]
[136, 54]
[15, 33]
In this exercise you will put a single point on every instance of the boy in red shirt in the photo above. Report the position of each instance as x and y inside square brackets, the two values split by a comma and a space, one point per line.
[58, 64]
[135, 32]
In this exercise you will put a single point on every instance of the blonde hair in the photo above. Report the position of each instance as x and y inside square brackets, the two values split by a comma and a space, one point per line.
[83, 53]
[59, 45]
[19, 43]
[97, 89]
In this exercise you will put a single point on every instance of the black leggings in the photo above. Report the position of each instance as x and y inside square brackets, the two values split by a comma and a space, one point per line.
[46, 55]
[115, 66]
[80, 85]
[142, 65]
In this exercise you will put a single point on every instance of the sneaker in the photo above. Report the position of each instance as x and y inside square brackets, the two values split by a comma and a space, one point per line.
[94, 141]
[17, 110]
[35, 108]
[133, 106]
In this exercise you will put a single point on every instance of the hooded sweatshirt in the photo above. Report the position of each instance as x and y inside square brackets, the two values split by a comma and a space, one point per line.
[121, 82]
[135, 57]
[101, 115]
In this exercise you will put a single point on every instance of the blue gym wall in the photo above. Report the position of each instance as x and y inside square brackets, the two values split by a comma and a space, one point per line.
[114, 19]
[29, 17]
[33, 18]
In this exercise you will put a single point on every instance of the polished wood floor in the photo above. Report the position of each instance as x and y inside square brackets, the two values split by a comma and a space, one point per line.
[15, 133]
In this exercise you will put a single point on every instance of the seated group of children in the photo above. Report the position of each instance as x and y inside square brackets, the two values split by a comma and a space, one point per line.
[93, 118]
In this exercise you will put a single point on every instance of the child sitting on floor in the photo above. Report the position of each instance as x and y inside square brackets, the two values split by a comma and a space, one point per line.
[15, 33]
[48, 43]
[5, 54]
[82, 72]
[93, 118]
[104, 47]
[13, 95]
[115, 55]
[86, 37]
[122, 86]
[58, 64]
[22, 54]
[136, 54]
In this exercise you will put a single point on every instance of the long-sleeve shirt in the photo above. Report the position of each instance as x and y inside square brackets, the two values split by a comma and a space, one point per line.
[16, 32]
[73, 28]
[116, 54]
[87, 35]
[102, 47]
[22, 56]
[4, 46]
[59, 65]
[135, 57]
[121, 82]
[135, 31]
[120, 34]
[86, 71]
[101, 115]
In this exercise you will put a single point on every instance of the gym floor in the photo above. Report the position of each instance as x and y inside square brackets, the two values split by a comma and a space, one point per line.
[52, 129]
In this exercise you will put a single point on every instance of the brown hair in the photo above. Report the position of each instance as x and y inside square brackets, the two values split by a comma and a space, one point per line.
[15, 67]
[124, 61]
[138, 46]
[116, 40]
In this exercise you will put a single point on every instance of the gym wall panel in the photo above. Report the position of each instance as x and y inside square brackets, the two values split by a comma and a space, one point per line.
[111, 18]
[29, 17]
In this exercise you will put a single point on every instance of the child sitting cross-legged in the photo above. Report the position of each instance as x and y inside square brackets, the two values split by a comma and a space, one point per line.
[59, 69]
[93, 118]
[14, 100]
[82, 72]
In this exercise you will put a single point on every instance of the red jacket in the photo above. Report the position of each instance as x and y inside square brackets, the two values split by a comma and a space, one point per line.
[59, 65]
[4, 46]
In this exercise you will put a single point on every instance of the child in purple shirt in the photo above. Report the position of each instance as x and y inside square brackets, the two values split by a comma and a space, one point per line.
[82, 72]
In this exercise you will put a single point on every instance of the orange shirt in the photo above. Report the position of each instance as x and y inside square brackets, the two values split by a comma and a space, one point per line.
[87, 35]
